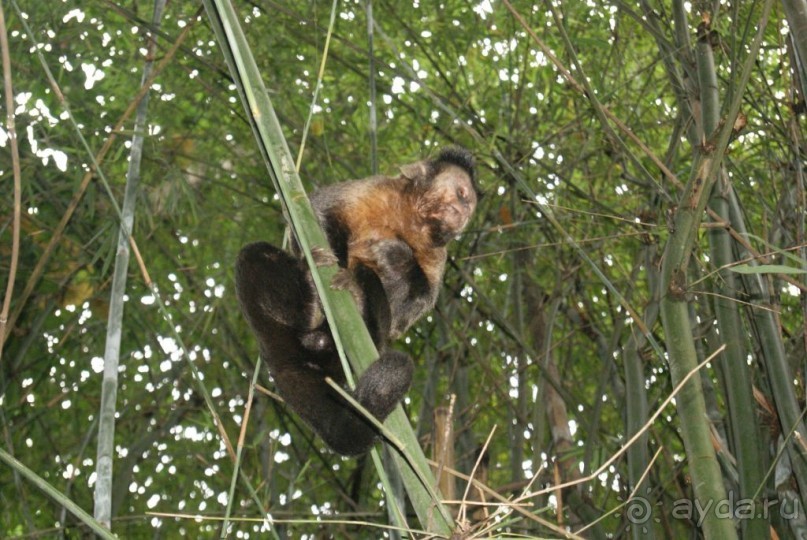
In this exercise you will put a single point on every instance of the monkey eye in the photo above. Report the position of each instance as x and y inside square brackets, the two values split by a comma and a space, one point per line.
[462, 194]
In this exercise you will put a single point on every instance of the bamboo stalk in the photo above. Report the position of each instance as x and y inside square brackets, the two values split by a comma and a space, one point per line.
[109, 386]
[739, 395]
[707, 481]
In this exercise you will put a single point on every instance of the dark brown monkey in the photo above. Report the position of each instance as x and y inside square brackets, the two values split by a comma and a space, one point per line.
[389, 236]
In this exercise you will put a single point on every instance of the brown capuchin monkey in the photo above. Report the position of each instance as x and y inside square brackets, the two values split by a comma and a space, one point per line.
[389, 237]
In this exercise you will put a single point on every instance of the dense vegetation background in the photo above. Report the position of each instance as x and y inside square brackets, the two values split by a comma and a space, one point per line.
[590, 284]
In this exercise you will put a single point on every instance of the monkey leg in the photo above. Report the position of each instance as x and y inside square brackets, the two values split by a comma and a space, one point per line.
[274, 286]
[384, 384]
[379, 390]
[344, 429]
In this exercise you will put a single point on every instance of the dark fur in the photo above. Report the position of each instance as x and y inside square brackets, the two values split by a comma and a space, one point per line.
[389, 236]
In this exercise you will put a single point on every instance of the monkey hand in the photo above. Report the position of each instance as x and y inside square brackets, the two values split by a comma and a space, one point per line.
[317, 340]
[323, 257]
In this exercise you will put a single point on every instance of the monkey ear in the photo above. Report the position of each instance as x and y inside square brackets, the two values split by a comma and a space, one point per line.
[415, 171]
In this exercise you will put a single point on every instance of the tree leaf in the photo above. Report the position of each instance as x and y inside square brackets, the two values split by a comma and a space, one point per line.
[766, 269]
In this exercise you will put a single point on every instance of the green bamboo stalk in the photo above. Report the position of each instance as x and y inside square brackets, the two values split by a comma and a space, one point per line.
[796, 13]
[703, 466]
[372, 87]
[350, 333]
[225, 526]
[17, 173]
[773, 354]
[318, 87]
[519, 260]
[540, 329]
[109, 386]
[739, 394]
[636, 393]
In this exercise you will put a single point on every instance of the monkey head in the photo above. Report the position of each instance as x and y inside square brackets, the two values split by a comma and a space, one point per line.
[444, 191]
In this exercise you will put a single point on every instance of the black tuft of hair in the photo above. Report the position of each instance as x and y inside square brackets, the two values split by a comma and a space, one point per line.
[462, 158]
[459, 156]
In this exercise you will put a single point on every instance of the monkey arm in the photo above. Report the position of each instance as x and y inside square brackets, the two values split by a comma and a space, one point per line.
[409, 292]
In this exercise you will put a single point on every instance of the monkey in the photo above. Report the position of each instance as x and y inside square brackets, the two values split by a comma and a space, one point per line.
[388, 234]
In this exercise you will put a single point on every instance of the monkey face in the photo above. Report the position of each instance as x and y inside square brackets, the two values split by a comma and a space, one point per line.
[448, 204]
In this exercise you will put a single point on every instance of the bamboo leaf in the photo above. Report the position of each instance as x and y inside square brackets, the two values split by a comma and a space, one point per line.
[56, 495]
[766, 269]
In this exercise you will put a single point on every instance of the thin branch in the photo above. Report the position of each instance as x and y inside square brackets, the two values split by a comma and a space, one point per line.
[610, 461]
[15, 165]
[109, 385]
